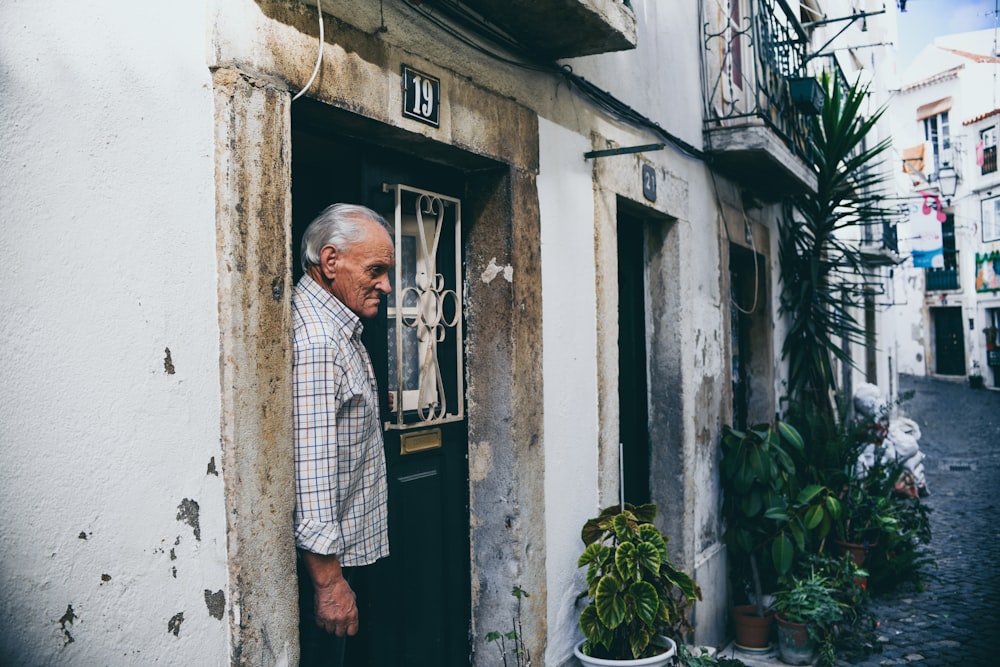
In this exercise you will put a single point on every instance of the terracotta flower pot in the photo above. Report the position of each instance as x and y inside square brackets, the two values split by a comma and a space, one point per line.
[795, 645]
[753, 632]
[858, 552]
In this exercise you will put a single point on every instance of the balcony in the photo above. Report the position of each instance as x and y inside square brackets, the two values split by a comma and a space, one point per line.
[941, 279]
[936, 280]
[556, 28]
[880, 250]
[548, 30]
[755, 130]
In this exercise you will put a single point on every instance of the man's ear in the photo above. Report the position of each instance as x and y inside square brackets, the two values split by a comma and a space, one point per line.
[328, 261]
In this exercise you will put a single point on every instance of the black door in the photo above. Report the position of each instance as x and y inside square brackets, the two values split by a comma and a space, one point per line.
[414, 605]
[949, 341]
[742, 272]
[633, 392]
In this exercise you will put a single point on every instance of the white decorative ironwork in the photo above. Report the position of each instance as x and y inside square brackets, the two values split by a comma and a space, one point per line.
[419, 309]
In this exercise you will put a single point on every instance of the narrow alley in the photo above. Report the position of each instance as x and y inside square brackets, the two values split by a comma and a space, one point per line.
[955, 620]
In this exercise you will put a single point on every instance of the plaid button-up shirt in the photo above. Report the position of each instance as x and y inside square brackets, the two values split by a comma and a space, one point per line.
[340, 484]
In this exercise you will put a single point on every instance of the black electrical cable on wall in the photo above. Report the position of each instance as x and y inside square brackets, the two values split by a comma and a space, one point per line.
[602, 98]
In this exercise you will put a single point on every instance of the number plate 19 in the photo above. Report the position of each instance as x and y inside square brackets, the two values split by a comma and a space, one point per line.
[421, 96]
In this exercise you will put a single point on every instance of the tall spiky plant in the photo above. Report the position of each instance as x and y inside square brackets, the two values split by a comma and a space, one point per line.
[820, 269]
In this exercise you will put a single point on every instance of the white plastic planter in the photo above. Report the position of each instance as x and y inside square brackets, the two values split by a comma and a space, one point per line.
[653, 661]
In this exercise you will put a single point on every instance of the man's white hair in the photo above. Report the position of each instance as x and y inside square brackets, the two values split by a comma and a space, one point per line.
[339, 225]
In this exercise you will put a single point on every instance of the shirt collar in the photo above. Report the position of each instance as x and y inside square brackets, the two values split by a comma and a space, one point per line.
[349, 323]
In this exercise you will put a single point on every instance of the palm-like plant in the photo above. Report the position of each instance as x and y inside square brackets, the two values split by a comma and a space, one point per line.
[820, 270]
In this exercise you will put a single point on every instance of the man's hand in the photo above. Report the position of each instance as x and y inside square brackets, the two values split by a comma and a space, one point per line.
[336, 609]
[335, 606]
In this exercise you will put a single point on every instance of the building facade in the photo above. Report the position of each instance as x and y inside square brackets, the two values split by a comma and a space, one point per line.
[945, 114]
[585, 193]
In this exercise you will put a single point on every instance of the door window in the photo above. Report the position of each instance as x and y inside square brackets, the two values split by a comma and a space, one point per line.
[424, 310]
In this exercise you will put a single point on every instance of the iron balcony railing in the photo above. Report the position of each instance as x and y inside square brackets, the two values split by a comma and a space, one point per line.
[989, 160]
[754, 49]
[946, 278]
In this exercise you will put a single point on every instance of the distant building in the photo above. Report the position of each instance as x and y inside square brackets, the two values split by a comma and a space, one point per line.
[945, 115]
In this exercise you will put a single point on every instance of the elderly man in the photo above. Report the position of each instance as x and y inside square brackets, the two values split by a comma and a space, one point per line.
[340, 484]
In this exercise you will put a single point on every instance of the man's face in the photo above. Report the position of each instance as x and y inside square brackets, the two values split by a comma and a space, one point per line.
[361, 273]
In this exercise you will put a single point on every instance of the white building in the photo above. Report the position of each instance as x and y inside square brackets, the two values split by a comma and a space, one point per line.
[612, 288]
[945, 116]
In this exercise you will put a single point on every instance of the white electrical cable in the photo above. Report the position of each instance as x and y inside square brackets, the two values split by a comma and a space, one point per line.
[319, 56]
[621, 473]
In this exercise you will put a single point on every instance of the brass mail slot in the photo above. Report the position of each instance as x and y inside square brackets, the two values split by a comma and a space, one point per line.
[410, 443]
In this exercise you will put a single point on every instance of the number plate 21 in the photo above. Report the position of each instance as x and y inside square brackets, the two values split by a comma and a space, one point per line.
[421, 96]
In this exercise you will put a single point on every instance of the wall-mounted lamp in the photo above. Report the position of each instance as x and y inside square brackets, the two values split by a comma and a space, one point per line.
[947, 179]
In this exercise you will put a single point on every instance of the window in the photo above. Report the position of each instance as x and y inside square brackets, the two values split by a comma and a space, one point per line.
[948, 241]
[736, 43]
[987, 158]
[945, 278]
[991, 219]
[424, 311]
[938, 134]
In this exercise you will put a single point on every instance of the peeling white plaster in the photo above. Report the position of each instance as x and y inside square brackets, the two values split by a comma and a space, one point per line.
[493, 270]
[480, 460]
[126, 425]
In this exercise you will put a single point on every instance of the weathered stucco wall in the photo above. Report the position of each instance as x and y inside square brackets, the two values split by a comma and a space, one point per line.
[253, 187]
[113, 541]
[686, 356]
[569, 281]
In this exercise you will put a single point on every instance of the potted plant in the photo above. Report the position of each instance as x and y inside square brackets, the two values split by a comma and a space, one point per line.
[636, 597]
[807, 615]
[773, 516]
[867, 511]
[866, 516]
[757, 471]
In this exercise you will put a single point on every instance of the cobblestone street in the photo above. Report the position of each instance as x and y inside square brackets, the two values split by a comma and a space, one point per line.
[955, 620]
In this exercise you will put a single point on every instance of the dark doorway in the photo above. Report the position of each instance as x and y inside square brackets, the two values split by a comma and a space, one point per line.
[749, 333]
[949, 341]
[871, 340]
[415, 604]
[632, 388]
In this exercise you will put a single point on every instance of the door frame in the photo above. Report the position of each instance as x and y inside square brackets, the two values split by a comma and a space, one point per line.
[503, 319]
[937, 314]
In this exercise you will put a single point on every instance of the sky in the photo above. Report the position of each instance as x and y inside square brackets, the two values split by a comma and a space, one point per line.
[924, 20]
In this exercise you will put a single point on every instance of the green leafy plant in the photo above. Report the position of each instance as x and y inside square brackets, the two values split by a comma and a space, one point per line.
[634, 592]
[894, 528]
[770, 514]
[865, 494]
[855, 636]
[868, 509]
[902, 556]
[520, 656]
[812, 601]
[687, 658]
